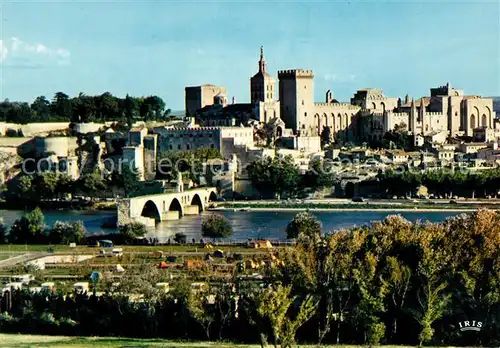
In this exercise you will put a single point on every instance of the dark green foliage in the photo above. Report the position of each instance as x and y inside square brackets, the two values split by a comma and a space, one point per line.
[216, 226]
[180, 238]
[3, 232]
[92, 183]
[133, 230]
[319, 175]
[67, 232]
[277, 177]
[189, 163]
[83, 108]
[456, 182]
[304, 225]
[394, 282]
[28, 229]
[126, 179]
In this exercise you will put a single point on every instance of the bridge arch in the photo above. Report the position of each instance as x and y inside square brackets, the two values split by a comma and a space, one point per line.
[150, 210]
[175, 205]
[196, 200]
[212, 196]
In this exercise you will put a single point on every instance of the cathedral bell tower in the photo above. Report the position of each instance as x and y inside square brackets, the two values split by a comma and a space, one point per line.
[262, 85]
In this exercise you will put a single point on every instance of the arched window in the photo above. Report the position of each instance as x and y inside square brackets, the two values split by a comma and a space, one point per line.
[484, 121]
[472, 121]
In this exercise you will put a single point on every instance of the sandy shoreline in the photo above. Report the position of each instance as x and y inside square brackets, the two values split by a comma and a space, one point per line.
[395, 210]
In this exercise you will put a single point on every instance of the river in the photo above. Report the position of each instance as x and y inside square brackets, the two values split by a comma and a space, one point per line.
[246, 224]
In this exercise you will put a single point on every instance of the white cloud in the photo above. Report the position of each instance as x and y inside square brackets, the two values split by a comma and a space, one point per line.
[340, 79]
[3, 51]
[27, 53]
[330, 77]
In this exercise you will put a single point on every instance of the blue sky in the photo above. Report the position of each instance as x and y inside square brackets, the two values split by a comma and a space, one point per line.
[159, 47]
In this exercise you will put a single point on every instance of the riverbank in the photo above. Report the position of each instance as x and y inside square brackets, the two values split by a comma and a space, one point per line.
[60, 205]
[360, 207]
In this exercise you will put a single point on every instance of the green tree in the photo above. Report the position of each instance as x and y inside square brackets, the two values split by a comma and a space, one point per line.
[65, 185]
[278, 176]
[432, 298]
[41, 109]
[305, 226]
[24, 187]
[133, 230]
[61, 106]
[45, 184]
[275, 304]
[30, 228]
[92, 184]
[126, 179]
[319, 174]
[202, 310]
[67, 232]
[326, 136]
[130, 110]
[3, 232]
[216, 226]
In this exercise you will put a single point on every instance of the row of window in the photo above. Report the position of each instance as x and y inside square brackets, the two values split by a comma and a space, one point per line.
[201, 135]
[189, 147]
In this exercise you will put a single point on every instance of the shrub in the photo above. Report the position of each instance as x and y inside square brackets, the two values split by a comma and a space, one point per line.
[67, 232]
[305, 225]
[3, 232]
[216, 226]
[180, 238]
[28, 229]
[133, 230]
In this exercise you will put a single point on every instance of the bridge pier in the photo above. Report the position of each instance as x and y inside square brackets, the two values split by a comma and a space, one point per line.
[191, 210]
[171, 215]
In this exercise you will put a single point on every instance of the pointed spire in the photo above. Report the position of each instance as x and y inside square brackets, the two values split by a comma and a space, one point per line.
[413, 104]
[262, 62]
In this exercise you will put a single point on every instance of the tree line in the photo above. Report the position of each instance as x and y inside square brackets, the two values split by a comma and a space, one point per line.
[31, 229]
[34, 189]
[84, 108]
[456, 182]
[281, 177]
[392, 282]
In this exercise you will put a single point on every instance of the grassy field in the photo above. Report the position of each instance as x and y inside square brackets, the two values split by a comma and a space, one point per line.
[25, 341]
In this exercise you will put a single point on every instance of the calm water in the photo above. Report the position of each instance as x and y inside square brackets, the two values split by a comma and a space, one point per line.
[245, 224]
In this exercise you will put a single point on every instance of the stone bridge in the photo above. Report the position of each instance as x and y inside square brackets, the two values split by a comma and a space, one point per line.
[152, 209]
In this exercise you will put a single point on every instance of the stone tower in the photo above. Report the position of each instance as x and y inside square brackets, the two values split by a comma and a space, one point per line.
[262, 85]
[296, 95]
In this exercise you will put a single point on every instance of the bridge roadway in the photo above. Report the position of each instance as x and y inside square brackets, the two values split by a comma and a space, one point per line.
[152, 209]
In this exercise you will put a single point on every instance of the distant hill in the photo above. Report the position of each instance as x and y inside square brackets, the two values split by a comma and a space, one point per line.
[179, 113]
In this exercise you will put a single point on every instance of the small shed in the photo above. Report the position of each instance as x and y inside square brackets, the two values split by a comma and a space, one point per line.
[193, 263]
[163, 264]
[158, 254]
[261, 244]
[106, 243]
[171, 258]
[422, 191]
[219, 254]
